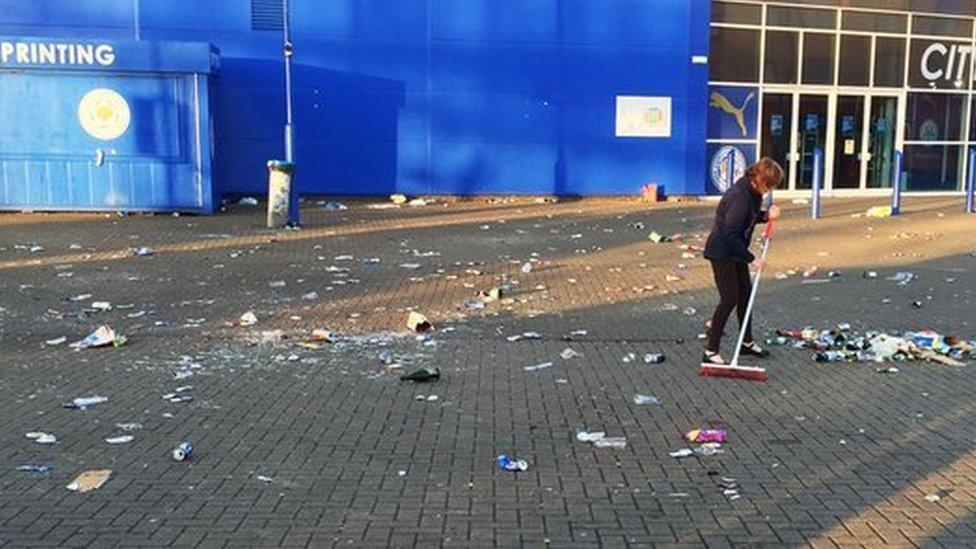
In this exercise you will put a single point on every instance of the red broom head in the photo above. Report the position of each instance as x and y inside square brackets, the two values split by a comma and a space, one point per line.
[734, 372]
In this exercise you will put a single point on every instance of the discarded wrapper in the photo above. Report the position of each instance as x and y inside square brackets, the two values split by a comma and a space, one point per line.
[417, 322]
[83, 403]
[537, 367]
[41, 437]
[102, 337]
[641, 400]
[493, 294]
[323, 335]
[600, 439]
[658, 238]
[124, 439]
[584, 436]
[878, 211]
[903, 278]
[247, 319]
[90, 480]
[706, 435]
[36, 469]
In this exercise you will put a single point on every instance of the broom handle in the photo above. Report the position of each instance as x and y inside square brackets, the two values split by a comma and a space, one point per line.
[767, 236]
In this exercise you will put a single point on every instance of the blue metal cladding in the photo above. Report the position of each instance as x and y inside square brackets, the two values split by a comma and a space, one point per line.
[439, 96]
[104, 125]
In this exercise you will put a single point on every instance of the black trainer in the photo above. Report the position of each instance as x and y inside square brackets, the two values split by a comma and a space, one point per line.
[752, 349]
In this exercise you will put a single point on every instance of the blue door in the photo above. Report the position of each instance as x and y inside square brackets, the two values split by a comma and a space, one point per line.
[89, 141]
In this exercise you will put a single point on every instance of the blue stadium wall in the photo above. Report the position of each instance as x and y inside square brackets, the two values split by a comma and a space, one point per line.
[435, 96]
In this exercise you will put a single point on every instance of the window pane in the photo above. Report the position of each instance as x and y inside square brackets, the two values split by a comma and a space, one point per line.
[889, 62]
[734, 55]
[855, 60]
[940, 26]
[934, 117]
[818, 58]
[781, 52]
[742, 14]
[938, 64]
[933, 167]
[874, 22]
[801, 17]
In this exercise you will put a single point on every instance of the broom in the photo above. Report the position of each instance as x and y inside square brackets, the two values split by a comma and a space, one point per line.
[733, 369]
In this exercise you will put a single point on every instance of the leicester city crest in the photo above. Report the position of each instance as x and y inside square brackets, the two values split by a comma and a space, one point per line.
[728, 165]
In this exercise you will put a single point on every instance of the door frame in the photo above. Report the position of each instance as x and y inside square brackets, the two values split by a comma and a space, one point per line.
[794, 159]
[832, 92]
[869, 95]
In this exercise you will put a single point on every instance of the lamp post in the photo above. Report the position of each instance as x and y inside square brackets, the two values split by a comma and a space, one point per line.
[282, 193]
[293, 215]
[289, 127]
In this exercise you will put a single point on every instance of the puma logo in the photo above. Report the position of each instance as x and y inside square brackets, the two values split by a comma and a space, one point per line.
[720, 101]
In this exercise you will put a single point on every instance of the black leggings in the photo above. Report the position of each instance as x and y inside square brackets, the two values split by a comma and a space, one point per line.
[734, 286]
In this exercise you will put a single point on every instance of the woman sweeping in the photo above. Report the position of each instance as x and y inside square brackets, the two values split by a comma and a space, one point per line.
[727, 249]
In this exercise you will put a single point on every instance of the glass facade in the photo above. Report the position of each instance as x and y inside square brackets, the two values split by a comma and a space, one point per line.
[859, 81]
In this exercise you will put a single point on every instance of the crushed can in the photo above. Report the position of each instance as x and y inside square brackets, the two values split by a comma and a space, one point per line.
[183, 451]
[654, 358]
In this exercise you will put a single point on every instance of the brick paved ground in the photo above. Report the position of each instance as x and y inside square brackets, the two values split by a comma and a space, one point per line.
[834, 454]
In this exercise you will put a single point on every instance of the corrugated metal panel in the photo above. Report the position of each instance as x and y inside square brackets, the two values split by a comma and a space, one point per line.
[267, 15]
[48, 160]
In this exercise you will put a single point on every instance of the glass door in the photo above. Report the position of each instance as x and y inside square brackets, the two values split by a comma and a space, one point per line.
[882, 135]
[811, 135]
[848, 137]
[777, 129]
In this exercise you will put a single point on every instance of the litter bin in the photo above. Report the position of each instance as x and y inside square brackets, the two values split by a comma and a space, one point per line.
[281, 203]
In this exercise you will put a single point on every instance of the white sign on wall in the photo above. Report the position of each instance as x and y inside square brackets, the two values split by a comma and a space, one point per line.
[643, 116]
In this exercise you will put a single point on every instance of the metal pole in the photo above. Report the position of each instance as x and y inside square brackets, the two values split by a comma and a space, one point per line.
[971, 181]
[289, 129]
[817, 175]
[136, 25]
[730, 169]
[293, 214]
[896, 185]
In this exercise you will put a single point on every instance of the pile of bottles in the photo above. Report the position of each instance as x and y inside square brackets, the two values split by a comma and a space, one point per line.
[842, 344]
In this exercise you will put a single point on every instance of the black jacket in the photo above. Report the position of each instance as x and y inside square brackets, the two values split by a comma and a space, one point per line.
[736, 216]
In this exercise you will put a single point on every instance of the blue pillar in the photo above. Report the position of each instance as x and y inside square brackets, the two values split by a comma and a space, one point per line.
[817, 179]
[971, 181]
[896, 185]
